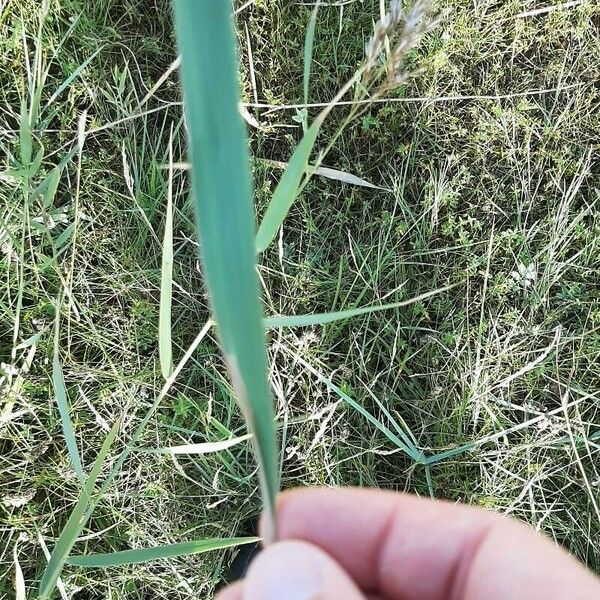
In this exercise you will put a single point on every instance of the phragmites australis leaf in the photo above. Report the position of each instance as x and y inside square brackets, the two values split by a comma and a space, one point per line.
[221, 192]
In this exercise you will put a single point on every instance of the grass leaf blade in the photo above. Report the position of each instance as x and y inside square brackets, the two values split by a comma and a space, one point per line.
[165, 347]
[308, 50]
[224, 215]
[390, 435]
[86, 504]
[20, 592]
[25, 135]
[69, 80]
[330, 317]
[287, 189]
[76, 520]
[51, 187]
[62, 401]
[141, 555]
[330, 173]
[203, 448]
[345, 177]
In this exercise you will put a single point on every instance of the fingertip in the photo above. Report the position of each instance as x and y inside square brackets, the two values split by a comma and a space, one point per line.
[291, 506]
[297, 570]
[235, 591]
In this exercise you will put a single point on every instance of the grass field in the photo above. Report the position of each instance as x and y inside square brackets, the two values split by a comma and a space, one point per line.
[488, 178]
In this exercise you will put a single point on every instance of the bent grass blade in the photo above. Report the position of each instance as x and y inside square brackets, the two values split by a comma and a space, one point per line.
[329, 173]
[409, 450]
[85, 505]
[287, 189]
[308, 53]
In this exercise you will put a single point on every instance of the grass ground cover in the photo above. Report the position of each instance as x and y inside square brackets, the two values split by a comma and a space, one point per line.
[486, 173]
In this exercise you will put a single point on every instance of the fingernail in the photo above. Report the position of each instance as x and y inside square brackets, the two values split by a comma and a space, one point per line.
[285, 571]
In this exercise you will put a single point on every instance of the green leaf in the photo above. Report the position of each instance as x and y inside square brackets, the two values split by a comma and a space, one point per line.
[140, 555]
[37, 162]
[224, 217]
[86, 504]
[308, 49]
[287, 189]
[165, 346]
[25, 135]
[30, 341]
[69, 80]
[64, 237]
[330, 317]
[62, 401]
[50, 187]
[76, 521]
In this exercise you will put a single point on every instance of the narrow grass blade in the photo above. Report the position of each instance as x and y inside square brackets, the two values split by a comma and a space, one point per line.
[30, 341]
[74, 75]
[203, 448]
[141, 555]
[334, 174]
[86, 504]
[405, 434]
[49, 187]
[224, 216]
[323, 318]
[441, 456]
[37, 162]
[308, 50]
[287, 189]
[390, 435]
[172, 67]
[346, 177]
[165, 347]
[25, 135]
[81, 131]
[19, 579]
[43, 187]
[292, 182]
[62, 401]
[64, 237]
[76, 521]
[60, 586]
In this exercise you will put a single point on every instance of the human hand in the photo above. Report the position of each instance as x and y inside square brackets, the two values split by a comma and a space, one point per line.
[351, 544]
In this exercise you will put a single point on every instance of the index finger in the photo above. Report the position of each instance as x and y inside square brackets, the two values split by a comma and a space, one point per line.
[405, 547]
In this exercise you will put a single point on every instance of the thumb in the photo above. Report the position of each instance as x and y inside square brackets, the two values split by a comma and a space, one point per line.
[294, 570]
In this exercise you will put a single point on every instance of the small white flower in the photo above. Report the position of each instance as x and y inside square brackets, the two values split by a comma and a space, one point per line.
[18, 500]
[525, 275]
[309, 339]
[10, 370]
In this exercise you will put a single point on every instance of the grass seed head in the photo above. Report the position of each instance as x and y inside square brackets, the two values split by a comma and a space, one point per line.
[406, 28]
